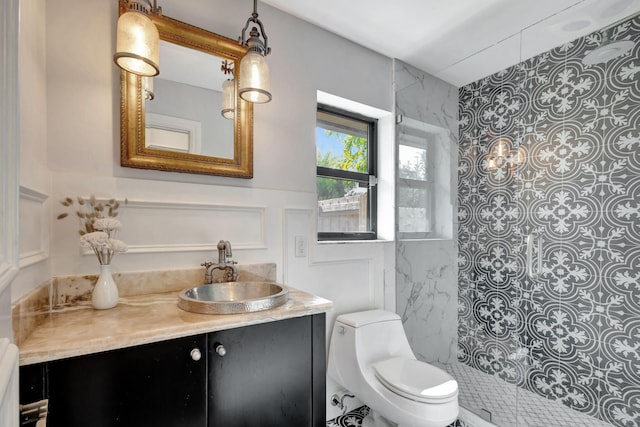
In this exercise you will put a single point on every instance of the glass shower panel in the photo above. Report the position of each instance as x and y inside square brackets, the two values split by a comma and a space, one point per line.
[490, 260]
[424, 180]
[416, 149]
[577, 179]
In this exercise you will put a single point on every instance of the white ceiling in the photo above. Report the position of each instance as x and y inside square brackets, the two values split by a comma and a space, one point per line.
[459, 41]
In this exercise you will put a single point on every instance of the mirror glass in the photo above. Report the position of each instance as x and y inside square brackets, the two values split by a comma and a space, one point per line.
[184, 112]
[173, 122]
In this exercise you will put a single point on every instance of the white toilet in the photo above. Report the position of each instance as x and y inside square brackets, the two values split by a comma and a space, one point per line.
[369, 355]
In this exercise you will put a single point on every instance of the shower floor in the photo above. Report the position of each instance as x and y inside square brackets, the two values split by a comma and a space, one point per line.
[511, 406]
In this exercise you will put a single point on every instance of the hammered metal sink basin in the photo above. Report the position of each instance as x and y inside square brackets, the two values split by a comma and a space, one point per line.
[233, 297]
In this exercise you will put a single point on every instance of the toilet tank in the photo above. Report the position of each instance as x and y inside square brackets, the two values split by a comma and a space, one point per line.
[363, 338]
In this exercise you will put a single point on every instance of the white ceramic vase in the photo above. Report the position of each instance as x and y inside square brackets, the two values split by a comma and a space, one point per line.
[105, 293]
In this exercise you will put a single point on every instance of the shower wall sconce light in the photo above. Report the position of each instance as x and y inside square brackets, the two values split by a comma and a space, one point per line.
[501, 154]
[138, 40]
[228, 92]
[254, 85]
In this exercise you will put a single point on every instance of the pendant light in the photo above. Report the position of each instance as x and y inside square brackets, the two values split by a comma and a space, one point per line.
[138, 40]
[228, 93]
[253, 85]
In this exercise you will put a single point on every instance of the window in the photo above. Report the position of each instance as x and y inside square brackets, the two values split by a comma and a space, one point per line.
[416, 152]
[345, 182]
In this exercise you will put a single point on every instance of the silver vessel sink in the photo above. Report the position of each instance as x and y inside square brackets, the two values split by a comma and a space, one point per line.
[233, 297]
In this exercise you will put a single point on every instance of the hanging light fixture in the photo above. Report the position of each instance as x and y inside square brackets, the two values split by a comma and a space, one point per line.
[228, 92]
[253, 85]
[138, 40]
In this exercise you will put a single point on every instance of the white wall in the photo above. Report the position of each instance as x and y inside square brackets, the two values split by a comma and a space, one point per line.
[71, 139]
[35, 179]
[9, 146]
[174, 220]
[69, 145]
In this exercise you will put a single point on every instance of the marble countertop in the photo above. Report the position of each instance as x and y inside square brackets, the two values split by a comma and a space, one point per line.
[79, 329]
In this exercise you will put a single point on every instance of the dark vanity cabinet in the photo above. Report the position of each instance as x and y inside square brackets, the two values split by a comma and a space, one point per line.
[269, 374]
[148, 385]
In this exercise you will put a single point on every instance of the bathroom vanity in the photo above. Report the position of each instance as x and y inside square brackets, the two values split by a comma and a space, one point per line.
[148, 363]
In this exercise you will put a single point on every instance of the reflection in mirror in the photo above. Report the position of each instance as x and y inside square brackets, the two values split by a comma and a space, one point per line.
[185, 112]
[174, 121]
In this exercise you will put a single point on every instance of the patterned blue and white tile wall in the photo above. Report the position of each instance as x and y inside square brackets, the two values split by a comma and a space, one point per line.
[553, 146]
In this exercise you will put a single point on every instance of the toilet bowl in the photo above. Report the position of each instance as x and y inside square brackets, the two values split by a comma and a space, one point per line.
[370, 356]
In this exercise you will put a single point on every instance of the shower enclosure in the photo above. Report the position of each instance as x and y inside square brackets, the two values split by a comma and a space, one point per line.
[548, 231]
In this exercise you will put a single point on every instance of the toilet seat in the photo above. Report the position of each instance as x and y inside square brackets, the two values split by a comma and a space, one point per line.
[416, 380]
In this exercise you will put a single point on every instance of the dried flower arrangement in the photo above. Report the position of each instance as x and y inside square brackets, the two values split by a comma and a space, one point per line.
[98, 225]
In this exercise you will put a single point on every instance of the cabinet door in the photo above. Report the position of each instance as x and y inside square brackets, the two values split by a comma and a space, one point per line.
[266, 376]
[151, 385]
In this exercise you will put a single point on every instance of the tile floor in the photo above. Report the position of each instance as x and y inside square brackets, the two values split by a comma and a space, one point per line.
[509, 405]
[354, 419]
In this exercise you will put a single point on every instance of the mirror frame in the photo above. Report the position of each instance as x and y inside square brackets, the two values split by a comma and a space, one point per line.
[134, 153]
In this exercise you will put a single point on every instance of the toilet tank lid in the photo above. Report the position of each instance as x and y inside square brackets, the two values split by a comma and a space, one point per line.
[363, 318]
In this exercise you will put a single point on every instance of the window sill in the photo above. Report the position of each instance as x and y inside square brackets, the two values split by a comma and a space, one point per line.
[339, 242]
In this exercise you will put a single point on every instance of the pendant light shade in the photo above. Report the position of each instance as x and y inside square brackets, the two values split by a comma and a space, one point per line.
[254, 78]
[138, 41]
[253, 85]
[228, 99]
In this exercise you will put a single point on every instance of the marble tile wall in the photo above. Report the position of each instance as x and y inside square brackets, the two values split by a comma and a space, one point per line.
[573, 134]
[426, 284]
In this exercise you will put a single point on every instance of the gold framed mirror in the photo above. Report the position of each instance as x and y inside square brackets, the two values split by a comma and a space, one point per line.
[160, 134]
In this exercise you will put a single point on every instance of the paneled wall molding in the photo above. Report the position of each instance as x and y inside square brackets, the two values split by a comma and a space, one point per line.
[317, 262]
[314, 258]
[190, 226]
[9, 140]
[41, 253]
[168, 248]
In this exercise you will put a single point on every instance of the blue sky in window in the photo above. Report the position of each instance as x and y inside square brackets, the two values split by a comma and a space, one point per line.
[326, 143]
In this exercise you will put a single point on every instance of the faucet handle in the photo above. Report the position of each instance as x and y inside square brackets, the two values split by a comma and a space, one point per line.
[206, 264]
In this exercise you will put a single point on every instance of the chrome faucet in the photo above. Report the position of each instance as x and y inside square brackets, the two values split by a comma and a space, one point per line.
[225, 264]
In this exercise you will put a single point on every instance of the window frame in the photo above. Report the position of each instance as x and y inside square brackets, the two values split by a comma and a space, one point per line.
[369, 179]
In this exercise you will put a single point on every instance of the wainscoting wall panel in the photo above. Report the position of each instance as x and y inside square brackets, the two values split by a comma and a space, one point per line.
[201, 225]
[34, 227]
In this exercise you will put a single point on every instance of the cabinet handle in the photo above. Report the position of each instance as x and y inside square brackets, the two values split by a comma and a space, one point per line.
[221, 350]
[195, 354]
